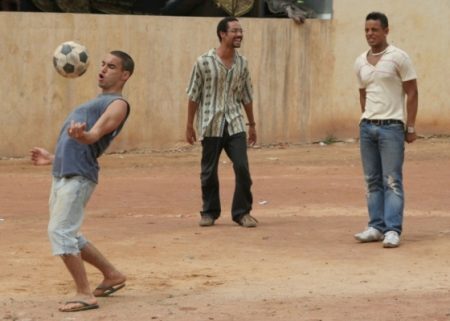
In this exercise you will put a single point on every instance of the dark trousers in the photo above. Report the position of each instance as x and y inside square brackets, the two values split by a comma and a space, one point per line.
[236, 148]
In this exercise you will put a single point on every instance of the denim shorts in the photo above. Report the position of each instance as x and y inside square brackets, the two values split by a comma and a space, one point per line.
[68, 198]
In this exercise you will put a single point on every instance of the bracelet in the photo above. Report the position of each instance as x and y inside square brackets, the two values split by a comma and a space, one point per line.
[253, 124]
[410, 130]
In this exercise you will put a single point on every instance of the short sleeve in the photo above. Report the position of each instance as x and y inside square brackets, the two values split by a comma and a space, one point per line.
[357, 68]
[406, 69]
[195, 84]
[247, 94]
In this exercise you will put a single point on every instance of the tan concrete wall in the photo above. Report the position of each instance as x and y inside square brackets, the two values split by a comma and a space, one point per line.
[304, 84]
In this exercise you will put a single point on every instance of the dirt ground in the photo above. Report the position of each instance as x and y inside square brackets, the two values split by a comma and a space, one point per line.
[300, 264]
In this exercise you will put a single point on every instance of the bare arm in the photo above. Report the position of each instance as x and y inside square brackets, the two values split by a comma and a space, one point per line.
[412, 103]
[190, 131]
[107, 123]
[251, 123]
[362, 99]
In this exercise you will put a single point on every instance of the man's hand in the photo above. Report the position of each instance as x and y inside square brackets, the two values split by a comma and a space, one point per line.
[410, 137]
[190, 135]
[40, 156]
[76, 130]
[252, 135]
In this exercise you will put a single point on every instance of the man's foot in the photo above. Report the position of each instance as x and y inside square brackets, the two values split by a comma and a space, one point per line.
[369, 235]
[206, 220]
[110, 285]
[248, 221]
[391, 239]
[103, 290]
[79, 304]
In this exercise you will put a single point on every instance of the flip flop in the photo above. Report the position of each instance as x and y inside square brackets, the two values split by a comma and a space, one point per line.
[108, 290]
[82, 307]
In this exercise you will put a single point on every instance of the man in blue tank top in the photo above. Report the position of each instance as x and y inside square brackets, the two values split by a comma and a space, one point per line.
[85, 135]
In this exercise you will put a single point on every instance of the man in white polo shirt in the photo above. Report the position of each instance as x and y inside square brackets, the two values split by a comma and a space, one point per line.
[385, 75]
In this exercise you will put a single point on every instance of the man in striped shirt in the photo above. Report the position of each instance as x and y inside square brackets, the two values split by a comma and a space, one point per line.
[219, 89]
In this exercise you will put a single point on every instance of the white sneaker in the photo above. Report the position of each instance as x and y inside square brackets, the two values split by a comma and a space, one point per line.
[391, 239]
[369, 235]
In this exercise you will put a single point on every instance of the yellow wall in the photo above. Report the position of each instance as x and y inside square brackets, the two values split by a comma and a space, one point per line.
[304, 84]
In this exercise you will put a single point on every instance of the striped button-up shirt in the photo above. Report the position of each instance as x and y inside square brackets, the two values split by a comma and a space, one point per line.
[220, 93]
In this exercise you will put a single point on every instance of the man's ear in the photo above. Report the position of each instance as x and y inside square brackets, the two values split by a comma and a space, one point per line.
[222, 34]
[125, 75]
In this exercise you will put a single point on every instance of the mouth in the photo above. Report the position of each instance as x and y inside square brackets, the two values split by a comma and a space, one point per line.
[101, 76]
[237, 41]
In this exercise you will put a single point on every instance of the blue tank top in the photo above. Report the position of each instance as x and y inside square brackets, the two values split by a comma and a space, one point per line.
[74, 158]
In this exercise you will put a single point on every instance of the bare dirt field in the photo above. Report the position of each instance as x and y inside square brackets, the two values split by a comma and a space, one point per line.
[300, 264]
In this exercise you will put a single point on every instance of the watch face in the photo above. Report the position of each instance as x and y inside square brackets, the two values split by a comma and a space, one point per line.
[411, 130]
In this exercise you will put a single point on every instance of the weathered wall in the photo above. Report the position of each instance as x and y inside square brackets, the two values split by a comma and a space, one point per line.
[303, 77]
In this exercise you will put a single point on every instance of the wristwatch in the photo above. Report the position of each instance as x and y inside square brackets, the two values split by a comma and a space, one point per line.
[410, 130]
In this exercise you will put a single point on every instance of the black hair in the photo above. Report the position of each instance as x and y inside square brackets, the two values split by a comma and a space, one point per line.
[127, 61]
[223, 25]
[380, 17]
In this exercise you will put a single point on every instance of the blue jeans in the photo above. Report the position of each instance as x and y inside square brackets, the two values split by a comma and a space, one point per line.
[68, 198]
[382, 154]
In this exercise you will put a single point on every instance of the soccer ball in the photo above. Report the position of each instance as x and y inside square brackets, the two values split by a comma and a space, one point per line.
[71, 59]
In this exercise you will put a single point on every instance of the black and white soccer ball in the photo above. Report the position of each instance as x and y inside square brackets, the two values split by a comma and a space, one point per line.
[71, 59]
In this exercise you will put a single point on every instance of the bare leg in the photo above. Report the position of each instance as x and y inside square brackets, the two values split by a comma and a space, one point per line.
[111, 276]
[75, 265]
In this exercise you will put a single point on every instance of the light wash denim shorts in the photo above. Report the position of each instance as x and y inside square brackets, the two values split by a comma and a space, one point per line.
[68, 198]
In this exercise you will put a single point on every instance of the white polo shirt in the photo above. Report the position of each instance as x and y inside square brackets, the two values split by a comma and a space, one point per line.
[385, 97]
